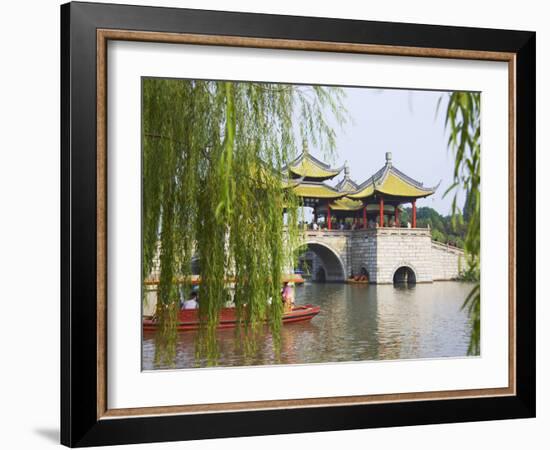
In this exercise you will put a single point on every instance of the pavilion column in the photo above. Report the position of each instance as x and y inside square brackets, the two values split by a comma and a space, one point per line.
[414, 213]
[381, 212]
[314, 215]
[397, 216]
[365, 217]
[328, 217]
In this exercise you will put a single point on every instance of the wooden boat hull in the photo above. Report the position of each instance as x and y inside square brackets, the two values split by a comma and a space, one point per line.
[189, 320]
[357, 281]
[295, 278]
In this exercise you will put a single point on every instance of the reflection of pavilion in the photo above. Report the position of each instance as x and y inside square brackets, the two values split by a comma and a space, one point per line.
[374, 203]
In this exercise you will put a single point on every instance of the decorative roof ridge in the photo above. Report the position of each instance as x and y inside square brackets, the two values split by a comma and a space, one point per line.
[382, 175]
[412, 181]
[348, 180]
[319, 162]
[316, 161]
[436, 187]
[370, 180]
[294, 162]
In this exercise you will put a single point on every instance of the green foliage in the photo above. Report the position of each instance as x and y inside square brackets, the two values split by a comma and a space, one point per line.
[213, 154]
[450, 229]
[438, 236]
[463, 120]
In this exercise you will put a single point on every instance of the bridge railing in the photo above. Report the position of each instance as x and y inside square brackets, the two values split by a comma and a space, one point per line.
[370, 232]
[447, 247]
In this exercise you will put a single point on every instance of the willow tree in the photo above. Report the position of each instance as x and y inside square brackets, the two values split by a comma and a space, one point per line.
[214, 188]
[463, 120]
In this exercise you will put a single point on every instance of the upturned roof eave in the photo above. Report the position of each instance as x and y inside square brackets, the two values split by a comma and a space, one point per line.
[294, 168]
[328, 175]
[374, 185]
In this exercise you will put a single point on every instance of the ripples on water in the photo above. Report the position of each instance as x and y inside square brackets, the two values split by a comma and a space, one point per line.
[356, 323]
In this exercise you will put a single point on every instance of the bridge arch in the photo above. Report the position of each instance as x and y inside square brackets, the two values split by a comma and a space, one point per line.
[332, 266]
[404, 273]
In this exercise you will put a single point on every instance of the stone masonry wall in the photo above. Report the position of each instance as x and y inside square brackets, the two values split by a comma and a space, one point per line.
[362, 253]
[403, 248]
[383, 250]
[330, 247]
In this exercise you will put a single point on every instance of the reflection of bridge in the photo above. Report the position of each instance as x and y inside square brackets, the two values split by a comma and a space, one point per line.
[384, 254]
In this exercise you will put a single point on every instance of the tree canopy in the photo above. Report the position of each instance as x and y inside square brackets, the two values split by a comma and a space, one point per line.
[212, 161]
[463, 121]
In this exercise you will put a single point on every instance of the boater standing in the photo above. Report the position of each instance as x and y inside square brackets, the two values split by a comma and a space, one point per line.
[288, 297]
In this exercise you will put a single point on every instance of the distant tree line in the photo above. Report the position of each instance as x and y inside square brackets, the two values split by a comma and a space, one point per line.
[445, 229]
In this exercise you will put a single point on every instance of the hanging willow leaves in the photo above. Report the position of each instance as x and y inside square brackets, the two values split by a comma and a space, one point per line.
[214, 188]
[463, 120]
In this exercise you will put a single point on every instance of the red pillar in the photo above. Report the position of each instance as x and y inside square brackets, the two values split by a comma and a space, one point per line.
[328, 217]
[381, 212]
[365, 216]
[397, 216]
[414, 213]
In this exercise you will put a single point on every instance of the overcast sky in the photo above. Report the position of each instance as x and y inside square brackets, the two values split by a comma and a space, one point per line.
[405, 123]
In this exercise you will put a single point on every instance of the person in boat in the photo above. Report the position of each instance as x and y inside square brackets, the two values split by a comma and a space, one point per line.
[287, 297]
[193, 302]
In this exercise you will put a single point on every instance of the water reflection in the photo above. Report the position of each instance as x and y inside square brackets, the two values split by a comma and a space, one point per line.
[356, 323]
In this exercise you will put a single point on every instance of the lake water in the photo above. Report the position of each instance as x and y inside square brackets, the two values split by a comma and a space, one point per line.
[356, 323]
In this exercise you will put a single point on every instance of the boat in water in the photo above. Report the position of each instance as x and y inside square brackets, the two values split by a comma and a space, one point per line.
[295, 278]
[188, 319]
[358, 279]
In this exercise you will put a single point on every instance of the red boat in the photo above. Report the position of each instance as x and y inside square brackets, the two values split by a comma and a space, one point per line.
[189, 320]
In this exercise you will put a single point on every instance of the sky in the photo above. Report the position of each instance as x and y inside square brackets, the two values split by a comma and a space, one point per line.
[405, 123]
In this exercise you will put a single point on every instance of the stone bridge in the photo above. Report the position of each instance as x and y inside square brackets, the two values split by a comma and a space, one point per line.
[386, 255]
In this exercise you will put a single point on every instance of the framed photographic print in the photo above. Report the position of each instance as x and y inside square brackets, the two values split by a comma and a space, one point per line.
[276, 224]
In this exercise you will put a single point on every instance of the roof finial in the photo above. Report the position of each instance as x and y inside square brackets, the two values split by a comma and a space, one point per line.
[304, 146]
[346, 170]
[388, 158]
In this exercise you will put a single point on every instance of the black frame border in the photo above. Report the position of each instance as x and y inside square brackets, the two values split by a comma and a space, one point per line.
[79, 423]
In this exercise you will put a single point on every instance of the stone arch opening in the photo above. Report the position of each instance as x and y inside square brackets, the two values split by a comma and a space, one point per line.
[321, 275]
[330, 262]
[404, 275]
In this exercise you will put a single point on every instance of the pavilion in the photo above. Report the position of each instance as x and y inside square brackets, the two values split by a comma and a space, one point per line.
[368, 203]
[308, 176]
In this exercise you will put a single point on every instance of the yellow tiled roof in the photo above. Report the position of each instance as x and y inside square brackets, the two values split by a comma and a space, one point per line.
[396, 186]
[347, 185]
[391, 181]
[346, 204]
[317, 190]
[367, 191]
[307, 168]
